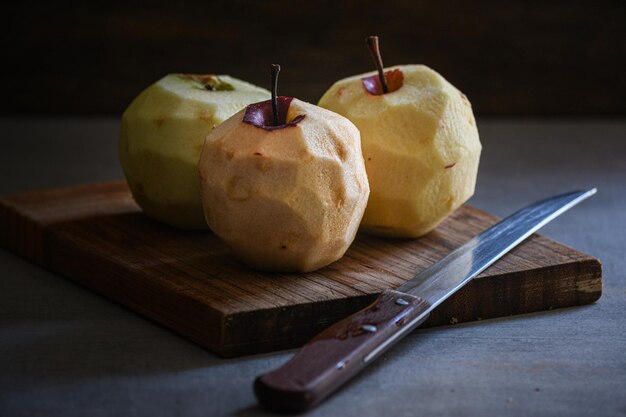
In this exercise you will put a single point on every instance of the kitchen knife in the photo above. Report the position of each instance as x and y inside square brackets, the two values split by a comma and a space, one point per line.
[345, 348]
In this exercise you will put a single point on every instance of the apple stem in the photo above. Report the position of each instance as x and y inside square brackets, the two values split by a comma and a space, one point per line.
[275, 71]
[372, 44]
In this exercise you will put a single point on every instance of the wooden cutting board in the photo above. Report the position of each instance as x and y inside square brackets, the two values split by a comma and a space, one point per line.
[191, 283]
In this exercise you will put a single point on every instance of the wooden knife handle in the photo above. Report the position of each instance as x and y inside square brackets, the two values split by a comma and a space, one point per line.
[340, 352]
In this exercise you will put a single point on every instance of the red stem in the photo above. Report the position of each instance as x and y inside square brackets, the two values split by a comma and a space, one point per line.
[372, 44]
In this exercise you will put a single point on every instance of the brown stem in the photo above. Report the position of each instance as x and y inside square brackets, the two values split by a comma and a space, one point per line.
[372, 44]
[275, 71]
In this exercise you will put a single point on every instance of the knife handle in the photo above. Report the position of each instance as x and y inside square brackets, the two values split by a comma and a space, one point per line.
[340, 352]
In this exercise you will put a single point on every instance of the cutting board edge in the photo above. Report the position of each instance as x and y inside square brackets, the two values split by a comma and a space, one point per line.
[440, 317]
[16, 229]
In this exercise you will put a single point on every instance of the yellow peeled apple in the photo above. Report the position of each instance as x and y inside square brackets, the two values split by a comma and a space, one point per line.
[161, 137]
[286, 197]
[420, 145]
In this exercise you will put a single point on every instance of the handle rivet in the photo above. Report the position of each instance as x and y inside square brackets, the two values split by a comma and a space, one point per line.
[368, 328]
[402, 302]
[341, 365]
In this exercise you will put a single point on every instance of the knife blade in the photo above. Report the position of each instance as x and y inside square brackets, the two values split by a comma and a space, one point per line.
[341, 351]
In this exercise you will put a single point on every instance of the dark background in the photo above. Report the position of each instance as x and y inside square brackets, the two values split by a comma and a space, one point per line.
[559, 58]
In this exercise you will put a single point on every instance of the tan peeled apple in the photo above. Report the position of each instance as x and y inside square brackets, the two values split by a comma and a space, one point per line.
[161, 137]
[283, 184]
[420, 144]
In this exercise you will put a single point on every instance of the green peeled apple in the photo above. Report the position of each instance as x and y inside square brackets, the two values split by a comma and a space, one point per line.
[161, 137]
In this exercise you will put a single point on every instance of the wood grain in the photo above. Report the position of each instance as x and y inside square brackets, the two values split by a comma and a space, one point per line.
[191, 283]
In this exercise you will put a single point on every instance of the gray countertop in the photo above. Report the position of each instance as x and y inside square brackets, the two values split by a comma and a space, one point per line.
[66, 351]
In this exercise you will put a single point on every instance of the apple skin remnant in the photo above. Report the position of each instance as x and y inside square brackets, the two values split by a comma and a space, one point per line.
[261, 115]
[394, 78]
